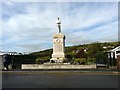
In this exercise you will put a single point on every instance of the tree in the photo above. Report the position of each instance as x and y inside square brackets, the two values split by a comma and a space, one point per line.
[101, 58]
[93, 49]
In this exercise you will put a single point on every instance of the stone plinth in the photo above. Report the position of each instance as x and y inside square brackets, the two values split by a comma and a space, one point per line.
[58, 54]
[57, 66]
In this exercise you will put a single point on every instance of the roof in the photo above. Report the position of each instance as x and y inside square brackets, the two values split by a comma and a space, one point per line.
[115, 49]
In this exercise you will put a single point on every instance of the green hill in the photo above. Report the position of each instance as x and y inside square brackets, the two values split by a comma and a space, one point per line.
[84, 54]
[77, 54]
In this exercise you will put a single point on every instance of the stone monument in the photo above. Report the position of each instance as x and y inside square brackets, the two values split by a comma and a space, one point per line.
[58, 54]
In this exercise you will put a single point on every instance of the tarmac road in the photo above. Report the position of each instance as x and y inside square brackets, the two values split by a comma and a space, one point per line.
[60, 79]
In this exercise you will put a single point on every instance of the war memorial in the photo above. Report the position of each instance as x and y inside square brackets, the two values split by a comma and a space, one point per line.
[58, 55]
[56, 74]
[62, 58]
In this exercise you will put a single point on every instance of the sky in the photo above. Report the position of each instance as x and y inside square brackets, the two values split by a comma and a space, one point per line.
[29, 26]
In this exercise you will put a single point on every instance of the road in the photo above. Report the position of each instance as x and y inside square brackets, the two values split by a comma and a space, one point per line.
[54, 79]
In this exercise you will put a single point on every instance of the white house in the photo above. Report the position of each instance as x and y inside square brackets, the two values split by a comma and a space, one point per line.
[114, 52]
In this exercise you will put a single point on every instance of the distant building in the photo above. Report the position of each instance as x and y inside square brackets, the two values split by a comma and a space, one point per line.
[2, 58]
[10, 53]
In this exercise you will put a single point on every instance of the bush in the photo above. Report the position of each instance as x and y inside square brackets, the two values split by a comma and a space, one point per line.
[91, 60]
[80, 60]
[39, 61]
[42, 60]
[84, 61]
[66, 60]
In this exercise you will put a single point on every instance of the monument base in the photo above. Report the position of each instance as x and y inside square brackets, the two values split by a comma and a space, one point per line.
[58, 55]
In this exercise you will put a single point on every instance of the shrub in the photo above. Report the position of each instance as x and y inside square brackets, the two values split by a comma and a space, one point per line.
[80, 60]
[39, 61]
[91, 60]
[84, 61]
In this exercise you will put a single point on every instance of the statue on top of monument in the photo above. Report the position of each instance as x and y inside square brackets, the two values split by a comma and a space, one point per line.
[58, 25]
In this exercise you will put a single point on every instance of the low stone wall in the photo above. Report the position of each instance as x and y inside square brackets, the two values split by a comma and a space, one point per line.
[57, 66]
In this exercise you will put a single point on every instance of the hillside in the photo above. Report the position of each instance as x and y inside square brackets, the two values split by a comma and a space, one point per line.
[79, 52]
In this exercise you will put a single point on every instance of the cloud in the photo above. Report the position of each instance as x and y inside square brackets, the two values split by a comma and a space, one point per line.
[30, 26]
[7, 2]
